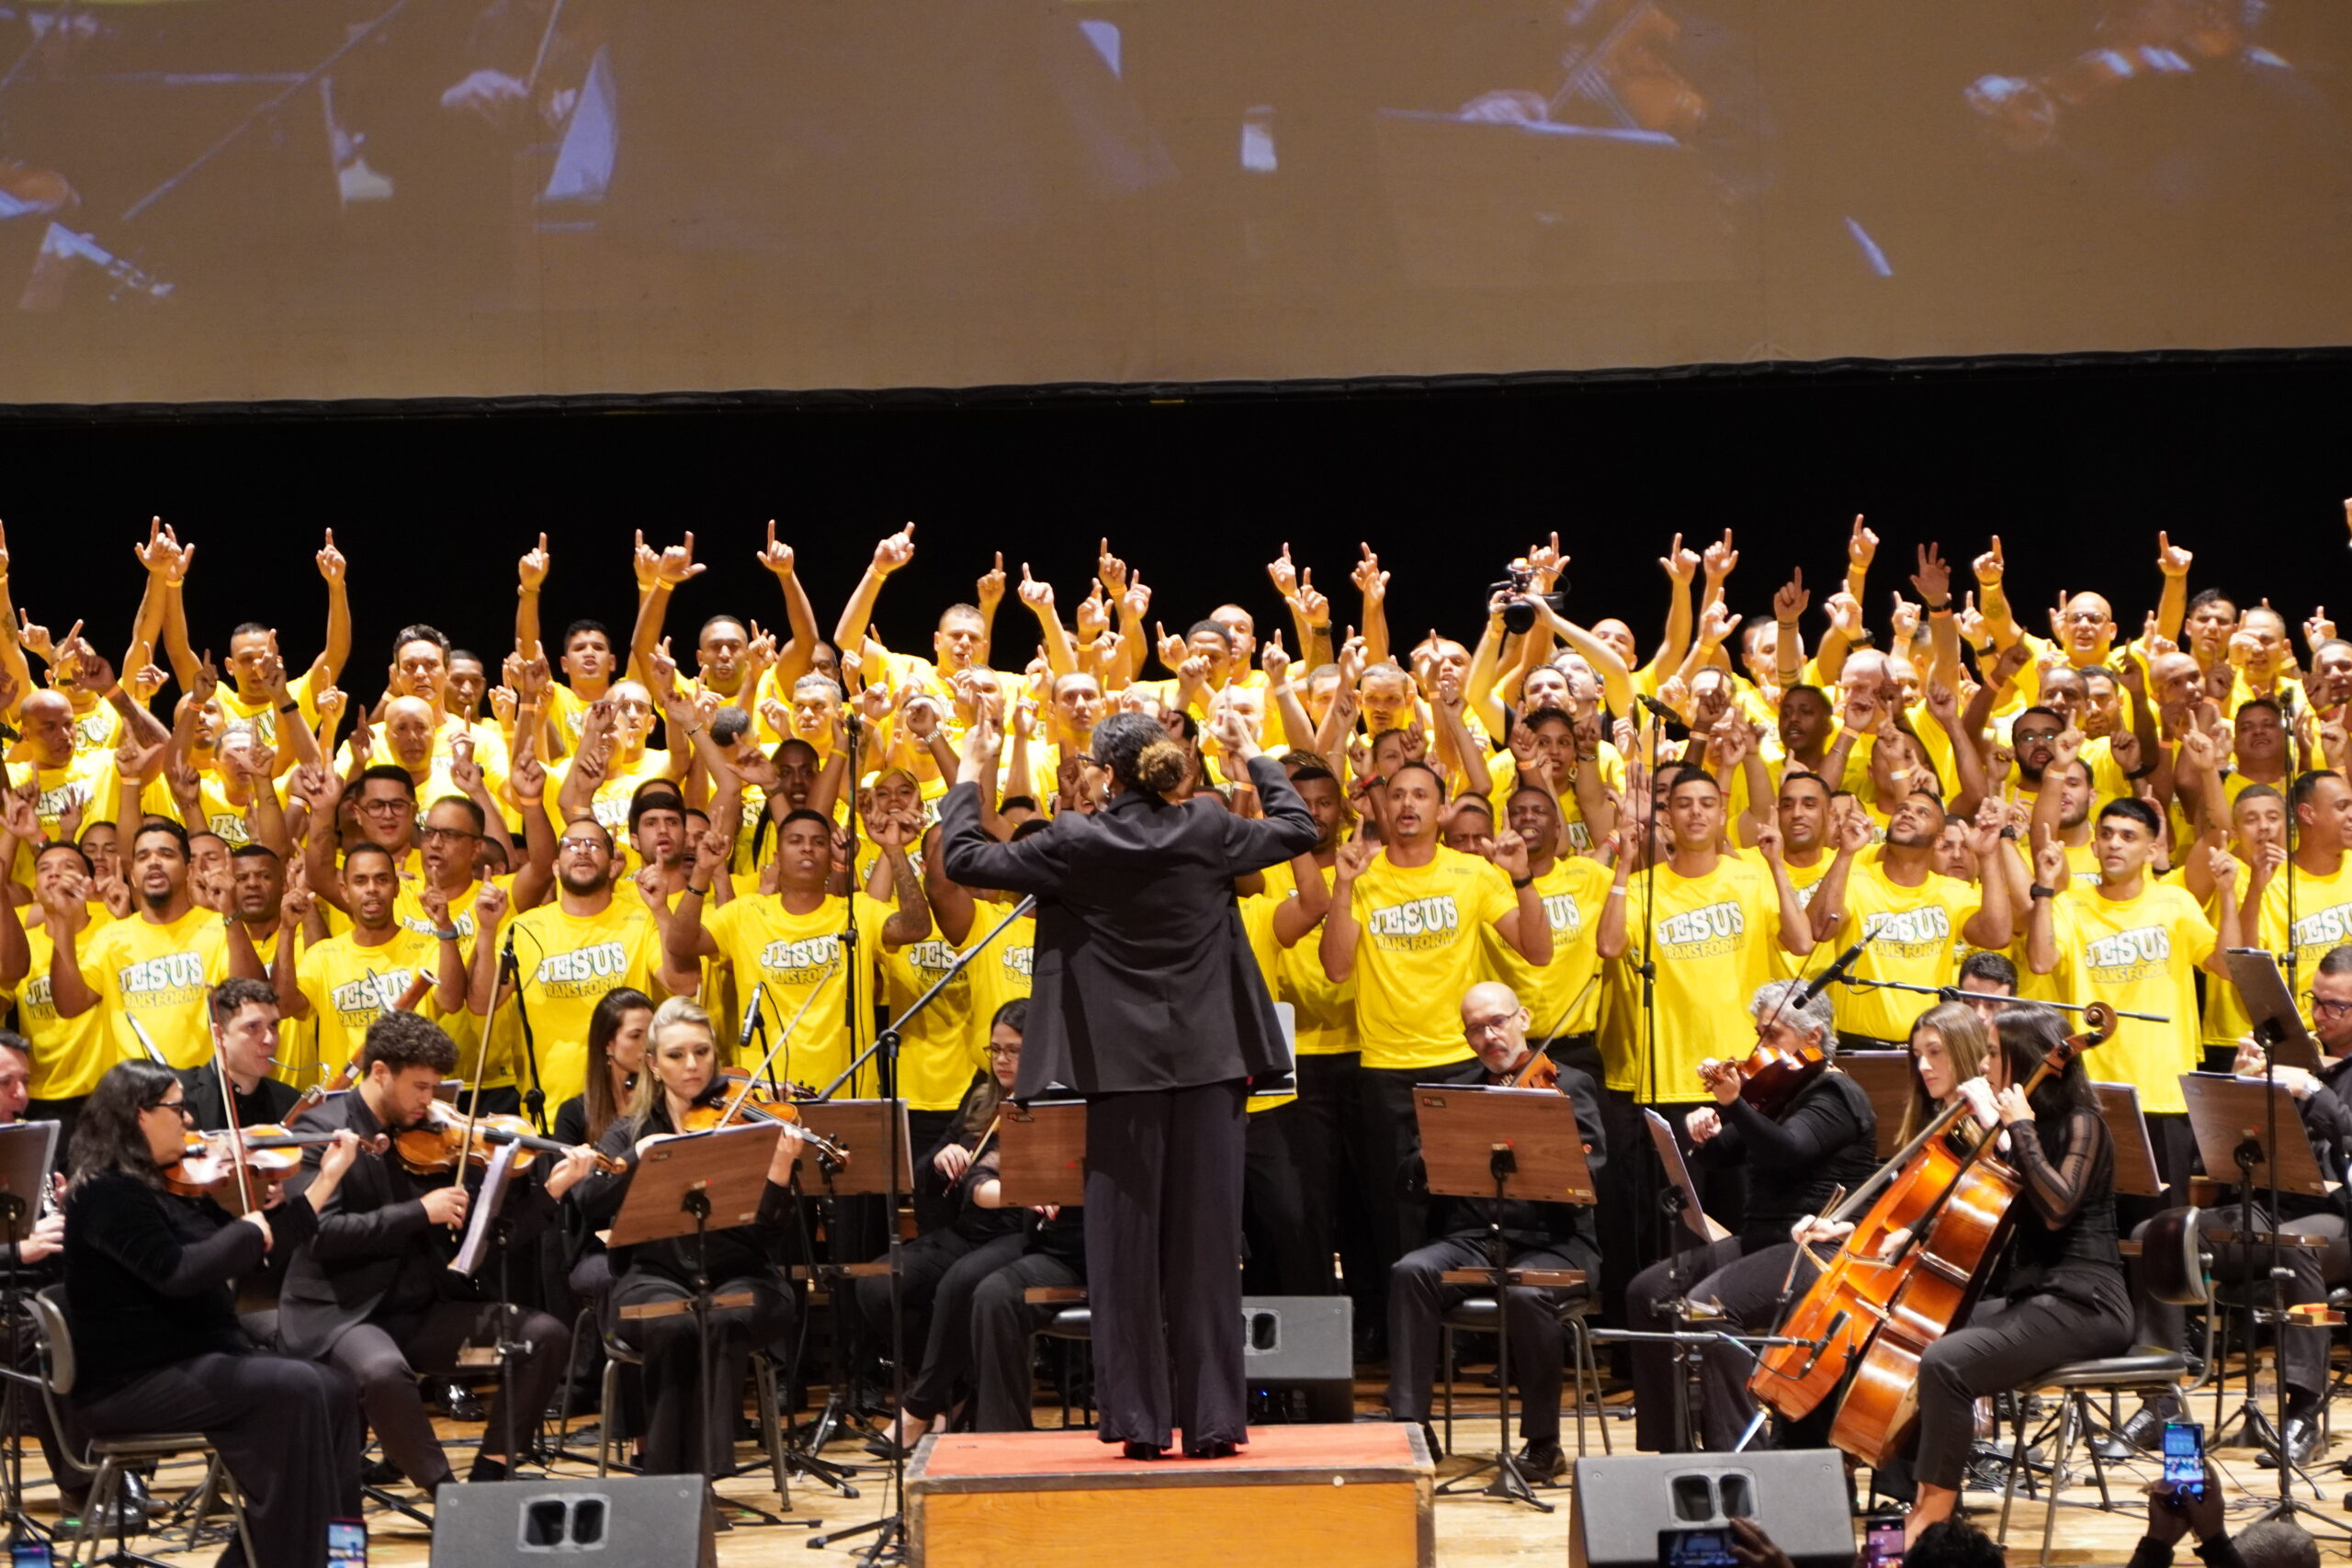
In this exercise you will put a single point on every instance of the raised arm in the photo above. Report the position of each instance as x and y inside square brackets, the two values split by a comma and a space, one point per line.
[328, 667]
[799, 655]
[897, 550]
[1336, 946]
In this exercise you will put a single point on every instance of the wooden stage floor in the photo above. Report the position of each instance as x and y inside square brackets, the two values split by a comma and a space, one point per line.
[1472, 1531]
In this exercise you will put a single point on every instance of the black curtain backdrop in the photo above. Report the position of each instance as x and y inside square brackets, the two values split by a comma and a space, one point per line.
[2075, 465]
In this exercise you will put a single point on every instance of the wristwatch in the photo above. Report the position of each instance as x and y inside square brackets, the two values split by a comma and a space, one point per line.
[2039, 891]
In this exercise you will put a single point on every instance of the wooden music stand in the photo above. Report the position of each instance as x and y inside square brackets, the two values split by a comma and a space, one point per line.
[860, 1129]
[2227, 1113]
[1669, 1155]
[2135, 1153]
[1886, 1076]
[1499, 1143]
[1041, 1157]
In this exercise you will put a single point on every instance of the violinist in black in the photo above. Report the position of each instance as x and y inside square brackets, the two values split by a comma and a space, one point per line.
[244, 1037]
[150, 1300]
[1823, 1139]
[680, 1073]
[940, 1268]
[2057, 1292]
[1537, 1235]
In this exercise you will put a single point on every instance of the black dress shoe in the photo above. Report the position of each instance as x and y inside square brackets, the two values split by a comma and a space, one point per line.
[1429, 1436]
[1542, 1462]
[456, 1401]
[1141, 1450]
[2301, 1443]
[383, 1472]
[1215, 1448]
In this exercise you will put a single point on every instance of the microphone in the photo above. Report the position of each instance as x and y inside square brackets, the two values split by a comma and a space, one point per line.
[1671, 721]
[1836, 972]
[751, 1020]
[1822, 1344]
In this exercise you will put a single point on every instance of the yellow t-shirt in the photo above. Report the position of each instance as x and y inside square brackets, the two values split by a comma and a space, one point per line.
[2141, 956]
[156, 979]
[349, 987]
[100, 729]
[610, 804]
[1000, 973]
[1419, 947]
[935, 1061]
[1323, 1012]
[263, 715]
[1714, 938]
[2323, 918]
[1575, 837]
[88, 783]
[568, 963]
[1915, 938]
[70, 1054]
[1563, 994]
[1807, 881]
[799, 956]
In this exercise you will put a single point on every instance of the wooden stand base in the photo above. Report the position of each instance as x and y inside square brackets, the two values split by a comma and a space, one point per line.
[1067, 1500]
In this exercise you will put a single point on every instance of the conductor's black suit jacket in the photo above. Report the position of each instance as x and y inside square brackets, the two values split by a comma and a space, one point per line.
[1141, 977]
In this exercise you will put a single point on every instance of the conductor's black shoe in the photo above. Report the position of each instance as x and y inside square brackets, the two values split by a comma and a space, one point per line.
[1542, 1462]
[1215, 1448]
[486, 1469]
[1429, 1436]
[1141, 1450]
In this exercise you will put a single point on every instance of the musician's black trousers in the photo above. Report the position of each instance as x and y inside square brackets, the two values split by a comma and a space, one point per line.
[1004, 1328]
[1164, 1245]
[677, 1384]
[1419, 1298]
[939, 1290]
[2008, 1341]
[385, 1358]
[2303, 1351]
[1748, 1290]
[288, 1432]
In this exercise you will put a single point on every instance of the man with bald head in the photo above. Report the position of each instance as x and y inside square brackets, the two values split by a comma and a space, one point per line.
[1536, 1235]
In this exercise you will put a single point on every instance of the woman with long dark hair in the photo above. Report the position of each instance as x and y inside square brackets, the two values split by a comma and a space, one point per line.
[680, 1072]
[152, 1303]
[2057, 1294]
[617, 1032]
[1146, 1000]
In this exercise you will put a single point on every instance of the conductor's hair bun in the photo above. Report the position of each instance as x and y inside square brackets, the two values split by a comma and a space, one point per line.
[1160, 766]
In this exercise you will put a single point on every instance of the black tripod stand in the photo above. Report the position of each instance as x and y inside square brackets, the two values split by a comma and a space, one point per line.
[888, 1531]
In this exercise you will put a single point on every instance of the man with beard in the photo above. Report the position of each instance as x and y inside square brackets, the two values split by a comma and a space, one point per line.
[1914, 919]
[386, 815]
[1405, 923]
[152, 973]
[348, 981]
[366, 1295]
[1802, 810]
[569, 954]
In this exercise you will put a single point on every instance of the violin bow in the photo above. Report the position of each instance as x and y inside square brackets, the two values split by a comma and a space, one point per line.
[546, 40]
[473, 1106]
[236, 1138]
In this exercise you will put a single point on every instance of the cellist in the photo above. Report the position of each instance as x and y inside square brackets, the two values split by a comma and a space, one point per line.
[2056, 1291]
[1823, 1139]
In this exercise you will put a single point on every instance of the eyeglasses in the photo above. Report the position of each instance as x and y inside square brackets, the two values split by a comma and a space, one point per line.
[573, 846]
[382, 806]
[179, 1108]
[2323, 1007]
[431, 834]
[1004, 1050]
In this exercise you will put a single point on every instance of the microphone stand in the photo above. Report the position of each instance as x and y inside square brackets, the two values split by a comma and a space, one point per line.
[891, 1527]
[535, 1097]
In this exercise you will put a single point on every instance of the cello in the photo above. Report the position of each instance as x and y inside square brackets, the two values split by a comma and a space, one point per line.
[1877, 1316]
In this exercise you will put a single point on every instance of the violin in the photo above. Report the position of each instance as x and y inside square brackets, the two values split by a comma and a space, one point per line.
[208, 1167]
[443, 1139]
[2025, 112]
[1770, 1075]
[1878, 1315]
[1541, 1072]
[1626, 74]
[744, 1103]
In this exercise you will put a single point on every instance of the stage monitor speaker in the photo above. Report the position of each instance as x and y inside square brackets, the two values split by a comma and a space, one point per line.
[621, 1520]
[1299, 1355]
[1797, 1498]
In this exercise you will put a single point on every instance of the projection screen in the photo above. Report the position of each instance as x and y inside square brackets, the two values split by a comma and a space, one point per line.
[242, 199]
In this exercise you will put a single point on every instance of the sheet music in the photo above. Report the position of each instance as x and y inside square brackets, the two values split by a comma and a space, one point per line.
[485, 1209]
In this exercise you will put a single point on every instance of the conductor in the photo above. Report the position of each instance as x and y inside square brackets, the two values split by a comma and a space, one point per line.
[1146, 1001]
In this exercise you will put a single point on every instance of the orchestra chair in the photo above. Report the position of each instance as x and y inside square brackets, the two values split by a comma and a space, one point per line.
[1477, 1314]
[1072, 1326]
[2143, 1372]
[104, 1459]
[610, 1452]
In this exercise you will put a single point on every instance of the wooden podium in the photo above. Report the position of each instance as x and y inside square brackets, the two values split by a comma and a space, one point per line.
[1066, 1500]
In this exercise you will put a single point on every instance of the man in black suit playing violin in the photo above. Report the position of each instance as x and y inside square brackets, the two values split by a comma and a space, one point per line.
[373, 1294]
[244, 1039]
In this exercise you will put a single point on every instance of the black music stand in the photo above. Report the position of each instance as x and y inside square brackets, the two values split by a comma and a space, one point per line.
[863, 1130]
[27, 1154]
[2236, 1122]
[2277, 1022]
[684, 1186]
[1499, 1143]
